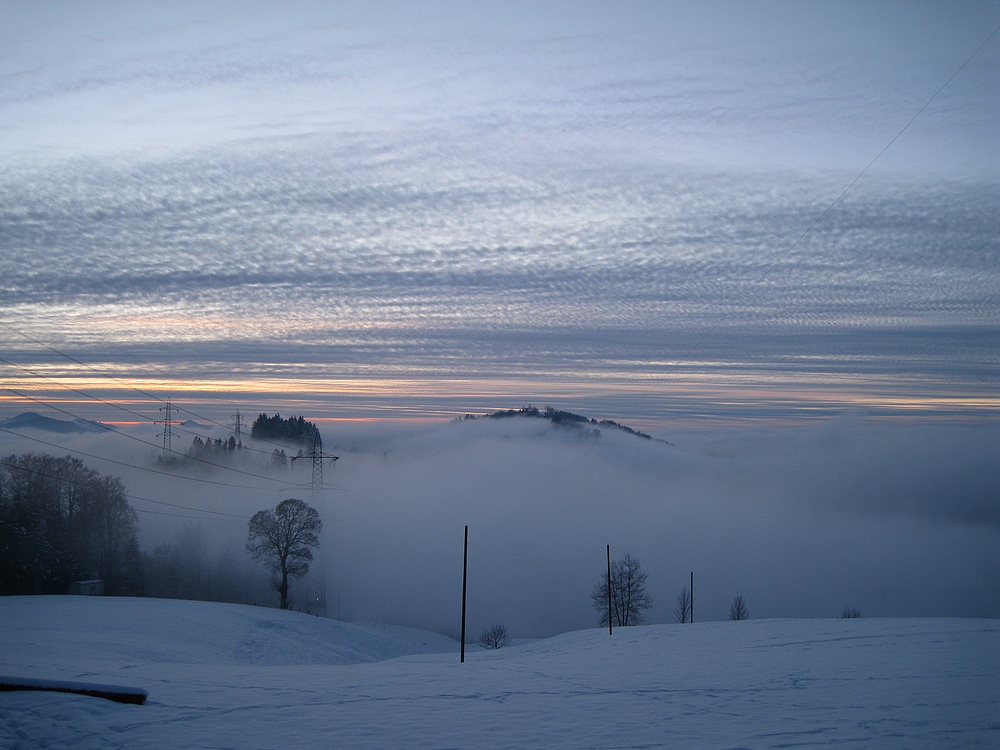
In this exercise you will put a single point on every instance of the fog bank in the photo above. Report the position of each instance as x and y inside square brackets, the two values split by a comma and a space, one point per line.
[801, 521]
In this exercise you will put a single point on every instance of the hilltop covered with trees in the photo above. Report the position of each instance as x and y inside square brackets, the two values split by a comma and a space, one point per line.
[562, 418]
[294, 430]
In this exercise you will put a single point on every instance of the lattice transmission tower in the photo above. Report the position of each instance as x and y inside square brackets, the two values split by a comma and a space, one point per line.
[237, 426]
[167, 422]
[317, 601]
[317, 457]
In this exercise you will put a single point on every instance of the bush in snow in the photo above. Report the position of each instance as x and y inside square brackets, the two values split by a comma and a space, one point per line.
[495, 636]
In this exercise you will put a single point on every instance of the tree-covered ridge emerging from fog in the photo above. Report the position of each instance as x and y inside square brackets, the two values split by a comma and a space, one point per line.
[562, 418]
[294, 430]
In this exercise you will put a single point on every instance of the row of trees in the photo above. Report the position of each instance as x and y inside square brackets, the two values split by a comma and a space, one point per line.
[629, 599]
[61, 521]
[193, 566]
[208, 449]
[221, 451]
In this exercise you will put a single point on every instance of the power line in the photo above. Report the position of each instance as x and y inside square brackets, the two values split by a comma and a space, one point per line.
[287, 485]
[174, 515]
[65, 387]
[139, 440]
[199, 459]
[186, 507]
[119, 381]
[45, 474]
[75, 361]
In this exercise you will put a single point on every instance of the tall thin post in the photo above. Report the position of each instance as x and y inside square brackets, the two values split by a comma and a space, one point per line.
[692, 597]
[465, 578]
[609, 590]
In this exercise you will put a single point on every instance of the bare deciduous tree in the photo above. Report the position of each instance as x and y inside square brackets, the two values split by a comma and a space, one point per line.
[283, 539]
[738, 609]
[850, 613]
[628, 593]
[683, 609]
[495, 636]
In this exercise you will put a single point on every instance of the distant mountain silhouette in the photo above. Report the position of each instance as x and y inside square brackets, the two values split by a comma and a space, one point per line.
[36, 421]
[562, 418]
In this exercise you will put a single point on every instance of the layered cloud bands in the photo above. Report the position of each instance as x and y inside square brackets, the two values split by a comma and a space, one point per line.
[319, 263]
[588, 206]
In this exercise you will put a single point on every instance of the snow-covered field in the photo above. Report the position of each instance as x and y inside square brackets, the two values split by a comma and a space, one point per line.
[231, 676]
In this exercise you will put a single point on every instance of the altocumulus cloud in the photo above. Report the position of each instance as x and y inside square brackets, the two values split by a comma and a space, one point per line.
[512, 192]
[318, 247]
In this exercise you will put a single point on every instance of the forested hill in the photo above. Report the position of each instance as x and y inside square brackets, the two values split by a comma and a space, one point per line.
[563, 418]
[295, 430]
[37, 421]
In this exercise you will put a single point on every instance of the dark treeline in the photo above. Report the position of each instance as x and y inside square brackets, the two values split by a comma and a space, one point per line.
[208, 449]
[60, 522]
[191, 567]
[295, 430]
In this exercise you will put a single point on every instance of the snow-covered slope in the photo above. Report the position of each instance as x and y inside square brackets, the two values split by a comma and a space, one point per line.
[94, 631]
[243, 677]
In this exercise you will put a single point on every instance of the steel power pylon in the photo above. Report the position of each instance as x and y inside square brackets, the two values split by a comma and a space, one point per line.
[318, 457]
[316, 491]
[237, 427]
[167, 422]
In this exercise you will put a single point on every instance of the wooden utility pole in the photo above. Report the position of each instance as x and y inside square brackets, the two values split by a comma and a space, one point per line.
[465, 578]
[609, 590]
[692, 597]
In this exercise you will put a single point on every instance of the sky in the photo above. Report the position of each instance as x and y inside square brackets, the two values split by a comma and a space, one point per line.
[669, 214]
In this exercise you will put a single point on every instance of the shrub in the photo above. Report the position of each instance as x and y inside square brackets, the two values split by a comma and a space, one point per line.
[495, 636]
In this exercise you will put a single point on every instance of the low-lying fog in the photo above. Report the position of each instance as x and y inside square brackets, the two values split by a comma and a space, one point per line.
[882, 517]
